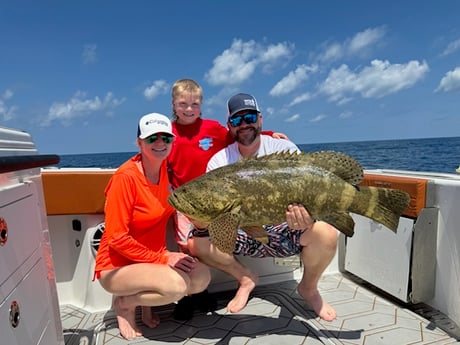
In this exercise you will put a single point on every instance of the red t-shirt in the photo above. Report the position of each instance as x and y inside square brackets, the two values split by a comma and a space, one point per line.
[194, 146]
[136, 214]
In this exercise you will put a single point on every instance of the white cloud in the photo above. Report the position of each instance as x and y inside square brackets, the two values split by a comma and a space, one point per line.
[363, 40]
[238, 63]
[7, 94]
[360, 44]
[377, 80]
[344, 100]
[219, 101]
[293, 118]
[270, 111]
[89, 54]
[318, 118]
[332, 52]
[78, 106]
[275, 52]
[301, 98]
[345, 115]
[159, 87]
[451, 47]
[293, 80]
[450, 81]
[6, 112]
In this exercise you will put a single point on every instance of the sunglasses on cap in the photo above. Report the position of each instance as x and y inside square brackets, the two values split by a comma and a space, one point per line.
[167, 138]
[237, 120]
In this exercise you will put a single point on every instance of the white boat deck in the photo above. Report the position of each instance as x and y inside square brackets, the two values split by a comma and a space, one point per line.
[48, 263]
[275, 314]
[368, 313]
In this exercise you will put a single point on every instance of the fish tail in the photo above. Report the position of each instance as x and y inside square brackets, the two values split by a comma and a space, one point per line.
[384, 205]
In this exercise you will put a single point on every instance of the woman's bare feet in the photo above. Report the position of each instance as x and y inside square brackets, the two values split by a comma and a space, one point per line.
[149, 317]
[126, 318]
[247, 284]
[314, 299]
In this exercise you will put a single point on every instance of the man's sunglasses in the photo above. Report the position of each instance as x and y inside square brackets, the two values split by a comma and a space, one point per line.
[167, 138]
[237, 120]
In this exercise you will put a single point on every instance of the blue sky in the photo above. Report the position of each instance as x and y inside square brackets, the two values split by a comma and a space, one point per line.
[77, 75]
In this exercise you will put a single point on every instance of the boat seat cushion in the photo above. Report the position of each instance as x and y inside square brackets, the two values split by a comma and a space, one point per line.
[416, 187]
[75, 192]
[82, 192]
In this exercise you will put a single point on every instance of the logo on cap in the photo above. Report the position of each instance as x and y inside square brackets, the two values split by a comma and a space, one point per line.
[160, 122]
[250, 102]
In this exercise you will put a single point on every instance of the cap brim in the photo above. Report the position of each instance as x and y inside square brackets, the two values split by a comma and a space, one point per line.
[147, 135]
[238, 110]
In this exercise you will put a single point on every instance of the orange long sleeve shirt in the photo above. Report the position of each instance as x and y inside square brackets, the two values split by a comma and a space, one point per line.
[136, 214]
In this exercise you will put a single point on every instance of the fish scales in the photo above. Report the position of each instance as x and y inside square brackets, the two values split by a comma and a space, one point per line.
[254, 192]
[264, 198]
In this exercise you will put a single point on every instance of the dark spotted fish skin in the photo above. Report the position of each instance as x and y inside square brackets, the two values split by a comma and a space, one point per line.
[256, 191]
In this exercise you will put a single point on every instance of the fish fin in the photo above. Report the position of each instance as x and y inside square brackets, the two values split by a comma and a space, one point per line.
[257, 232]
[338, 163]
[384, 205]
[342, 221]
[223, 231]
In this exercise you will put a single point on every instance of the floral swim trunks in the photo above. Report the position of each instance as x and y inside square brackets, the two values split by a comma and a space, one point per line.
[282, 242]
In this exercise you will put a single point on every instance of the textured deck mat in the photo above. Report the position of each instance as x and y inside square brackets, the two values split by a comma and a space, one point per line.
[275, 314]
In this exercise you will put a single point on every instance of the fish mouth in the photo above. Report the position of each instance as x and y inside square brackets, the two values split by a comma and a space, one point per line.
[172, 199]
[180, 204]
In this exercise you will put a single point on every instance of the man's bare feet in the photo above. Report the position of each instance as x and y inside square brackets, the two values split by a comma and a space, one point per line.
[126, 318]
[314, 299]
[149, 317]
[247, 284]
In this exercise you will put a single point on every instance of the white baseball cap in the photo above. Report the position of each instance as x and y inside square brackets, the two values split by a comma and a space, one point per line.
[153, 123]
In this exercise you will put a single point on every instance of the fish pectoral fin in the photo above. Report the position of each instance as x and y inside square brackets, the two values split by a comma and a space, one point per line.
[257, 232]
[342, 221]
[223, 231]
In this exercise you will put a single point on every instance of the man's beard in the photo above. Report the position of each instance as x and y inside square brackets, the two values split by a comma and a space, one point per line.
[248, 136]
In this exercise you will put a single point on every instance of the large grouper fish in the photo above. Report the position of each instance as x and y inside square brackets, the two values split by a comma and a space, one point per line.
[256, 191]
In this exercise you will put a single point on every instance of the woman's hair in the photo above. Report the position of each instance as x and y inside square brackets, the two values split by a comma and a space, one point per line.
[185, 85]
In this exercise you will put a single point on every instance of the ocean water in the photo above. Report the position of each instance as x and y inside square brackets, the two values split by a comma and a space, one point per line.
[431, 154]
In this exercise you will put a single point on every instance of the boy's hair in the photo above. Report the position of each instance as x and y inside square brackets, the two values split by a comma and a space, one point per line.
[185, 85]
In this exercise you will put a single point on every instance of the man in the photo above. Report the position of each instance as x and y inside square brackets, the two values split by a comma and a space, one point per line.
[316, 242]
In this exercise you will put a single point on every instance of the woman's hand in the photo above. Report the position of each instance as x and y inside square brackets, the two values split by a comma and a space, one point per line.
[298, 217]
[181, 261]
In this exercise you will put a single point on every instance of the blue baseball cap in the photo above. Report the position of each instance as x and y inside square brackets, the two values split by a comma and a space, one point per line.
[241, 101]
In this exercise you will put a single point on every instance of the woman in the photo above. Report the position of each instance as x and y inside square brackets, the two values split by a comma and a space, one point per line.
[132, 262]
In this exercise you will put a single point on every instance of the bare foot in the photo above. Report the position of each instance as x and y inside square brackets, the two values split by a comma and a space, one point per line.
[149, 318]
[126, 318]
[321, 308]
[247, 284]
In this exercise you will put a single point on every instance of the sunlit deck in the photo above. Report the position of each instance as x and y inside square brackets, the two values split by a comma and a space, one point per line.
[275, 314]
